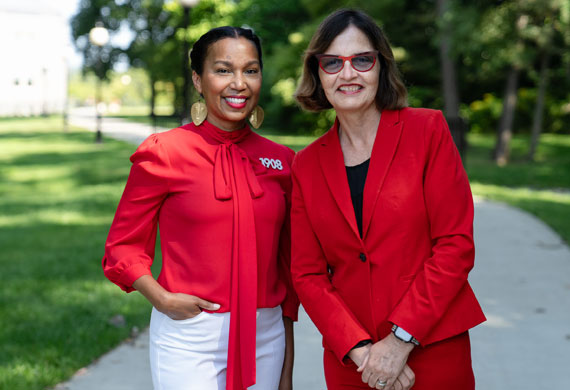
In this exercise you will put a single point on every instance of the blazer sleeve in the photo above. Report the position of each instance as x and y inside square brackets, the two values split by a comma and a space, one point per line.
[340, 329]
[129, 250]
[449, 206]
[290, 305]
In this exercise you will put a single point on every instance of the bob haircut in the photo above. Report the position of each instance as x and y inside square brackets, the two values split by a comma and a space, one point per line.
[391, 94]
[202, 45]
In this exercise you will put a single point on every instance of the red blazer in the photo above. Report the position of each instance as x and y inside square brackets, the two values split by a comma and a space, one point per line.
[410, 268]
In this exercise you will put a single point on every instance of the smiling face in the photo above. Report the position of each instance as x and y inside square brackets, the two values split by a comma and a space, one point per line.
[350, 90]
[230, 82]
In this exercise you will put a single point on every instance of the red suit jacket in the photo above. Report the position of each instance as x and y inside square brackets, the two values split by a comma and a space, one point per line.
[411, 266]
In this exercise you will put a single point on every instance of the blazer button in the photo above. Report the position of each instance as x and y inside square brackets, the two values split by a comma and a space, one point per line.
[362, 257]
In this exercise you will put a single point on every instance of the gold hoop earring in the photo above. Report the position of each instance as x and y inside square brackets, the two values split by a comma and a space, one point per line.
[198, 112]
[256, 117]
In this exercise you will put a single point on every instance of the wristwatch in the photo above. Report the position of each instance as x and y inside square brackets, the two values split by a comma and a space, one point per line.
[403, 335]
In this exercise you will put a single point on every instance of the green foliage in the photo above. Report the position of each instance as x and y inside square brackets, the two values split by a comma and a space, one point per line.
[109, 15]
[515, 34]
[483, 115]
[487, 38]
[551, 169]
[58, 192]
[541, 187]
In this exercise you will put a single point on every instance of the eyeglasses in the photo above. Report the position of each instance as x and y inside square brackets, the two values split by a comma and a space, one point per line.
[332, 64]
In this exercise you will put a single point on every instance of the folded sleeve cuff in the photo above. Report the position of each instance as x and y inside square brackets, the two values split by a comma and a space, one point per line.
[131, 274]
[290, 308]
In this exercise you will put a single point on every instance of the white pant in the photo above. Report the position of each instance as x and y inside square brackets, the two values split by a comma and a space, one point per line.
[192, 354]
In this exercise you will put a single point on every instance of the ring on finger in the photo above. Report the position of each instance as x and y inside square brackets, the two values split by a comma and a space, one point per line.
[381, 383]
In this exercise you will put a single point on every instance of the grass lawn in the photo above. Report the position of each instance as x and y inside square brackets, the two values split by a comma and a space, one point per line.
[58, 194]
[541, 187]
[551, 170]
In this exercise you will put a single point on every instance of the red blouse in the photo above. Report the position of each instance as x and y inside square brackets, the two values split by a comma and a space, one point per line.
[221, 200]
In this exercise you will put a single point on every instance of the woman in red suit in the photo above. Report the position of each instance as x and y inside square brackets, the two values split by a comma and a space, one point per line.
[382, 222]
[224, 301]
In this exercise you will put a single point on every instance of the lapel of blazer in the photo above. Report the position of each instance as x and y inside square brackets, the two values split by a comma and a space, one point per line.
[332, 164]
[385, 145]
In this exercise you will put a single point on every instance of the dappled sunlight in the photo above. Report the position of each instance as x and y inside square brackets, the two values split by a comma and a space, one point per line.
[38, 173]
[521, 193]
[25, 147]
[554, 140]
[58, 195]
[551, 206]
[54, 217]
[550, 170]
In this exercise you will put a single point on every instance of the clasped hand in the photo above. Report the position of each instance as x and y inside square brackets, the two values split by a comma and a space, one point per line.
[385, 361]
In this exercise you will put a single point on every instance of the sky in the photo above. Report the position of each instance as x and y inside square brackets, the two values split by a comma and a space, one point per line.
[68, 9]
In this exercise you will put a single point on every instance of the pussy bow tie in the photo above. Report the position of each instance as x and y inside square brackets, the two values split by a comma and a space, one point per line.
[235, 180]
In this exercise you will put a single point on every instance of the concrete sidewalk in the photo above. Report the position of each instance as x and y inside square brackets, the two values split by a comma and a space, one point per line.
[521, 277]
[117, 128]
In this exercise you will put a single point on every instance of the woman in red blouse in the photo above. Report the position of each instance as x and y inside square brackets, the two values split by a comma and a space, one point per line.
[220, 194]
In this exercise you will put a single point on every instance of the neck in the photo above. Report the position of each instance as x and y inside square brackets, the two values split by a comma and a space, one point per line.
[226, 125]
[357, 129]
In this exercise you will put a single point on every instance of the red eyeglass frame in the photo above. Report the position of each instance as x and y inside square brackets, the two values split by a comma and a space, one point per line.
[374, 53]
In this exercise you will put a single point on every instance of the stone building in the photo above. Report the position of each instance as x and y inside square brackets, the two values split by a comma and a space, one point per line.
[34, 44]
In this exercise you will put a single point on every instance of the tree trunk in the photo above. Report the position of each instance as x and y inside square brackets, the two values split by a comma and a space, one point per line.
[505, 129]
[449, 78]
[153, 102]
[185, 114]
[456, 124]
[539, 107]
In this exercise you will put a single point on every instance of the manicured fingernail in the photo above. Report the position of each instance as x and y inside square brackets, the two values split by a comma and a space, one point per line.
[215, 306]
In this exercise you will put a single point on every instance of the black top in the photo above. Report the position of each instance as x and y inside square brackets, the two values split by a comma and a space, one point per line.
[356, 179]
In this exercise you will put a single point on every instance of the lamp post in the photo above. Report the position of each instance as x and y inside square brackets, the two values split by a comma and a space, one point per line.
[185, 114]
[98, 36]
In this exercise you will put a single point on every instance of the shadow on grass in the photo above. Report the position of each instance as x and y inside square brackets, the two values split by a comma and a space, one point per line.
[56, 304]
[94, 164]
[46, 136]
[59, 193]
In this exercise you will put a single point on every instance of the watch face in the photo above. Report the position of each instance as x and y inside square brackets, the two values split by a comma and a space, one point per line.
[402, 334]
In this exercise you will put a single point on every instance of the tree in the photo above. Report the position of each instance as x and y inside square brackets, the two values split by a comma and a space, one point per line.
[91, 12]
[552, 27]
[511, 38]
[536, 26]
[153, 27]
[449, 77]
